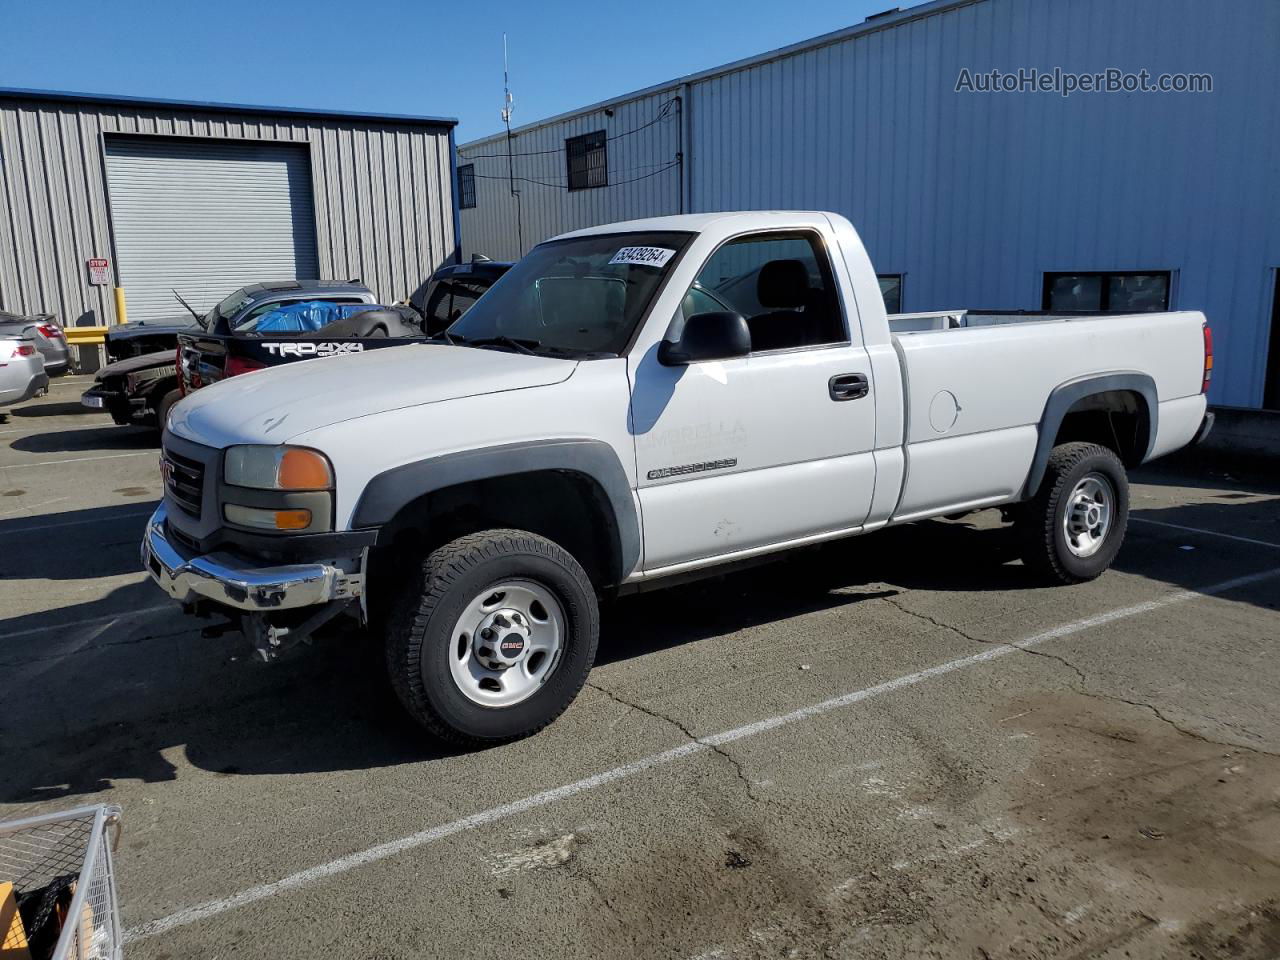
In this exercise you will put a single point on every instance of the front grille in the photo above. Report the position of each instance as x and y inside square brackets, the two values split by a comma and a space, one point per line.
[184, 482]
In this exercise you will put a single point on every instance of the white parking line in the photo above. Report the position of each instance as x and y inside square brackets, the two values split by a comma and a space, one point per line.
[108, 618]
[54, 463]
[76, 523]
[501, 813]
[1207, 533]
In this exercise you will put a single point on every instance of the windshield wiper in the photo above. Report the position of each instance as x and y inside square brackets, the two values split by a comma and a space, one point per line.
[199, 319]
[524, 346]
[453, 339]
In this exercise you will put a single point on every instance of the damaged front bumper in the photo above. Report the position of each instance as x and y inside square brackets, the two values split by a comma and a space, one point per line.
[240, 583]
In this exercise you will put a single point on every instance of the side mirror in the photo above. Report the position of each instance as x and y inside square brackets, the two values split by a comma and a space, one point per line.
[707, 336]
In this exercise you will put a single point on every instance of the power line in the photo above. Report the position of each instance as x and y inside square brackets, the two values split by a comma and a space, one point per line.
[663, 113]
[565, 186]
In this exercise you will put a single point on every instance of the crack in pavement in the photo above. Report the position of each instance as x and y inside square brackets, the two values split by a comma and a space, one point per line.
[581, 872]
[1160, 715]
[928, 618]
[1092, 694]
[714, 747]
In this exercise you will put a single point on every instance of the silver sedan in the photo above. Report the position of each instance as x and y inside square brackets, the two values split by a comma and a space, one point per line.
[22, 373]
[45, 333]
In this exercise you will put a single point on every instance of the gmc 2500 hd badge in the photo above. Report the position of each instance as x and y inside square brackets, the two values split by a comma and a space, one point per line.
[308, 348]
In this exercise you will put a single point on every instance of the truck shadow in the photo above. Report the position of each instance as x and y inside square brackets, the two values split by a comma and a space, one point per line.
[106, 699]
[75, 545]
[107, 436]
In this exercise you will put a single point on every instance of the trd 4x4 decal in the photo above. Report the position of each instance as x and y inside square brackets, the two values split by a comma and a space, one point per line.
[308, 348]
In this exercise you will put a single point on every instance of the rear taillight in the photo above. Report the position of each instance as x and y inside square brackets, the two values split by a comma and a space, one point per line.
[1208, 359]
[49, 331]
[24, 350]
[238, 365]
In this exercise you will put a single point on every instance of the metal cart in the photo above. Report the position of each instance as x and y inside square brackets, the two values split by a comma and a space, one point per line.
[38, 851]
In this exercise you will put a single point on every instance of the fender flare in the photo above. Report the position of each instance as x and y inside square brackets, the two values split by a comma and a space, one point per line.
[1064, 396]
[390, 491]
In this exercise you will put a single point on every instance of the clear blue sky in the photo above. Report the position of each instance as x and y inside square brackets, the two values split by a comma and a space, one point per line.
[440, 59]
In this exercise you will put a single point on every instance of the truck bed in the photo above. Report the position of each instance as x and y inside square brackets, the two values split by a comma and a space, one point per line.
[976, 386]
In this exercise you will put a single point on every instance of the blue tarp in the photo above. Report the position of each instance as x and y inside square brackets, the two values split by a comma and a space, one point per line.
[306, 316]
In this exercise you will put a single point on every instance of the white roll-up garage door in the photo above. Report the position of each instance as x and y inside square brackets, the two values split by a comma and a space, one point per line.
[204, 217]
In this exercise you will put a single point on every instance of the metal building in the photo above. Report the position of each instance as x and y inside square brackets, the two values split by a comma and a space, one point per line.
[1010, 200]
[155, 195]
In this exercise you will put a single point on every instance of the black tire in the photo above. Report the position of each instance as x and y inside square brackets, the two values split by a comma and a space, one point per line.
[164, 406]
[1045, 546]
[419, 635]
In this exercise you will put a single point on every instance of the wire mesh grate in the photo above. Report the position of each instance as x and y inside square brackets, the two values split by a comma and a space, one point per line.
[69, 851]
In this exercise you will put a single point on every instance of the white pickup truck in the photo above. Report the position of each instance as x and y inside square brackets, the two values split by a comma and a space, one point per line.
[630, 403]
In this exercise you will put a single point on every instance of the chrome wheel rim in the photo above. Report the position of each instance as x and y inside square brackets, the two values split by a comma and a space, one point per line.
[1089, 514]
[507, 643]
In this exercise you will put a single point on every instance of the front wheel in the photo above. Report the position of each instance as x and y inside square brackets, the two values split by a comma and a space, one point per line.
[494, 638]
[1073, 527]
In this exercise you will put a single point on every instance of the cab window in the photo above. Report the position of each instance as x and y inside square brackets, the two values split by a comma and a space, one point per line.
[780, 283]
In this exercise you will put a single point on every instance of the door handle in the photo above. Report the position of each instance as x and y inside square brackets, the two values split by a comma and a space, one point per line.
[848, 386]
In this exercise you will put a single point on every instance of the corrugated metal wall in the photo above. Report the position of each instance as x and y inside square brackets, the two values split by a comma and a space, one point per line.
[643, 177]
[975, 196]
[383, 196]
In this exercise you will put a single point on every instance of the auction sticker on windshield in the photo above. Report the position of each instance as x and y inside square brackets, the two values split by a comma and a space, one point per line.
[644, 256]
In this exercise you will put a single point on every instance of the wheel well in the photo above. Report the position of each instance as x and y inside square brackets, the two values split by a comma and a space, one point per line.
[564, 506]
[1116, 419]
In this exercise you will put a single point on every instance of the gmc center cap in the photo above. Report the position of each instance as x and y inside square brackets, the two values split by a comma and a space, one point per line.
[511, 646]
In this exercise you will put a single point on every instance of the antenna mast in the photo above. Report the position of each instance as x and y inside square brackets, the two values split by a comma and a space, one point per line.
[507, 108]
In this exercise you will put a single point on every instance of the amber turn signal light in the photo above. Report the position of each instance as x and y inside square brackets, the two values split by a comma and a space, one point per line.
[303, 470]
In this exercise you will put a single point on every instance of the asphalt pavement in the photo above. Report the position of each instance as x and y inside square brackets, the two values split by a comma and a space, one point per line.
[894, 746]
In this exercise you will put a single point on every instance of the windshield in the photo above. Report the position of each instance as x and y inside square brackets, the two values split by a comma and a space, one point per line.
[227, 308]
[582, 296]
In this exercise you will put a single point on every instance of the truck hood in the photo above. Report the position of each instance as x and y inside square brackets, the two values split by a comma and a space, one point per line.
[273, 405]
[146, 361]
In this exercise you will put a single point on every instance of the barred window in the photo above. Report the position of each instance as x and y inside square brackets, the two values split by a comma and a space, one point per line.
[588, 160]
[467, 186]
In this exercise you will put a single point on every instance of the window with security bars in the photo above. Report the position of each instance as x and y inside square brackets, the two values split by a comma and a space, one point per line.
[588, 160]
[467, 186]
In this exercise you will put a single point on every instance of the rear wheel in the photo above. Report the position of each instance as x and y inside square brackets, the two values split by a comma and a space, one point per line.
[1073, 528]
[494, 638]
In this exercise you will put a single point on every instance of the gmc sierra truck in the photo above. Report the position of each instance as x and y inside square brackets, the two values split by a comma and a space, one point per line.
[630, 404]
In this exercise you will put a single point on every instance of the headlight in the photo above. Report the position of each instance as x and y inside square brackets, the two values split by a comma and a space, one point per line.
[277, 468]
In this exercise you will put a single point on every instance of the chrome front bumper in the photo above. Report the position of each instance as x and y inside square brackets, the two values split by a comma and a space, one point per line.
[236, 582]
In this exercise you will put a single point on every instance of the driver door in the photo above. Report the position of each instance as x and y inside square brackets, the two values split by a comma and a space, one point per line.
[736, 455]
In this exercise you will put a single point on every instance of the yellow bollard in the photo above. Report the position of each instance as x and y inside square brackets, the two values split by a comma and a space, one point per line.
[122, 314]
